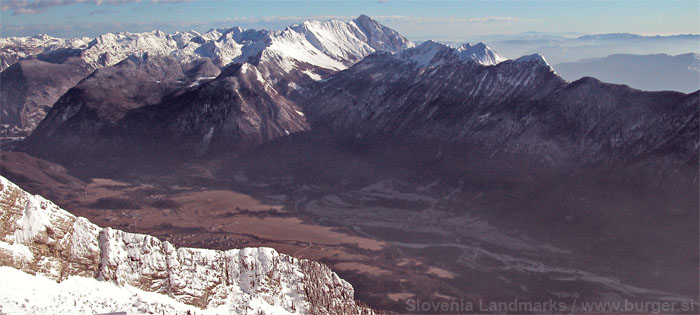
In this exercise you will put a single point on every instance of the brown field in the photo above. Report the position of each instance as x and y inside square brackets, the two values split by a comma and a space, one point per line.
[222, 200]
[400, 296]
[225, 219]
[362, 268]
[222, 219]
[442, 273]
[293, 229]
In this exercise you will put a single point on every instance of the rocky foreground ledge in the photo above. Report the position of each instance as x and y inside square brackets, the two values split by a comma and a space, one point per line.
[48, 243]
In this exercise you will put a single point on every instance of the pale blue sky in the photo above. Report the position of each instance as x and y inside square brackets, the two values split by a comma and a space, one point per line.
[418, 20]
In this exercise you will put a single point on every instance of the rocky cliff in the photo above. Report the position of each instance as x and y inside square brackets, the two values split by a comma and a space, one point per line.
[39, 238]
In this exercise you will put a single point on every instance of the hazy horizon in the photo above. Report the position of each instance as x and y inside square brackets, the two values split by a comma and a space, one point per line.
[421, 20]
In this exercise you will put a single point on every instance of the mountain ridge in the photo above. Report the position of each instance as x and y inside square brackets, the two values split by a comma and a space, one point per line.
[509, 107]
[38, 237]
[431, 92]
[308, 51]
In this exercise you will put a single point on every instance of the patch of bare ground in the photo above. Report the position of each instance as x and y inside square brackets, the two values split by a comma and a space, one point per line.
[398, 297]
[362, 268]
[442, 273]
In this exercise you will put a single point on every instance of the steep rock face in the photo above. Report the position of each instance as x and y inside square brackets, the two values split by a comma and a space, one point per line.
[613, 124]
[428, 90]
[30, 87]
[82, 116]
[236, 111]
[518, 106]
[38, 237]
[381, 37]
[189, 117]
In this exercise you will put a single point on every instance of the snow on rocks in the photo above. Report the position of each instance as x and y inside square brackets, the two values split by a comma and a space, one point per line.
[431, 53]
[13, 49]
[332, 45]
[102, 269]
[23, 293]
[428, 53]
[535, 59]
[480, 53]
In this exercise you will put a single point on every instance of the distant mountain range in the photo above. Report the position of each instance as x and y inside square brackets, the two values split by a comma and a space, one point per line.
[571, 47]
[646, 72]
[308, 50]
[161, 100]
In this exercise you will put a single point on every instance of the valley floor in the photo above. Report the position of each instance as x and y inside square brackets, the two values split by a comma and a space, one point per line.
[396, 242]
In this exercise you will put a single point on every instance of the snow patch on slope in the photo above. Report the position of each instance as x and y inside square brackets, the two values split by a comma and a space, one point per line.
[426, 53]
[479, 53]
[15, 48]
[332, 45]
[337, 39]
[312, 75]
[535, 59]
[291, 47]
[431, 53]
[23, 293]
[111, 270]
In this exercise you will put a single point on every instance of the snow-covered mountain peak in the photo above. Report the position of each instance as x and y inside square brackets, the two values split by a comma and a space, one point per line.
[381, 37]
[13, 49]
[365, 19]
[467, 46]
[312, 50]
[235, 30]
[111, 48]
[428, 53]
[331, 45]
[340, 40]
[44, 37]
[534, 58]
[318, 47]
[479, 53]
[431, 53]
